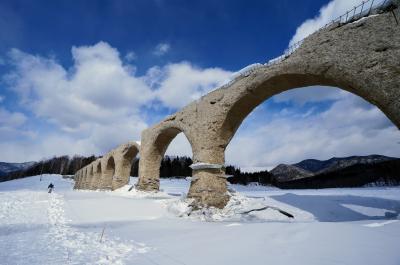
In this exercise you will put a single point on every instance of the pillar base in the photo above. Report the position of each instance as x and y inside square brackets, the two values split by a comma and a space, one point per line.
[119, 182]
[208, 188]
[148, 185]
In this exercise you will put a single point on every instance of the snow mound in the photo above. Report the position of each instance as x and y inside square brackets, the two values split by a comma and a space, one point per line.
[237, 210]
[131, 192]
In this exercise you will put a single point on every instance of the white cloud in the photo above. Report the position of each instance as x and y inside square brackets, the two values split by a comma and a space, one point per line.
[97, 103]
[310, 94]
[94, 104]
[11, 119]
[161, 49]
[181, 83]
[1, 98]
[98, 88]
[130, 56]
[326, 14]
[12, 126]
[179, 146]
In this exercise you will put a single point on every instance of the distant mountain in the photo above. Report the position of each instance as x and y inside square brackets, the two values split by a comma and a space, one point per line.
[313, 167]
[6, 168]
[382, 173]
[323, 166]
[289, 172]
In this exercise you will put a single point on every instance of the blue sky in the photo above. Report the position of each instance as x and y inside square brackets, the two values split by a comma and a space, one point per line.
[80, 77]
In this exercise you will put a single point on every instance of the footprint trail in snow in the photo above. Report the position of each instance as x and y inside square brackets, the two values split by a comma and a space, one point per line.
[37, 220]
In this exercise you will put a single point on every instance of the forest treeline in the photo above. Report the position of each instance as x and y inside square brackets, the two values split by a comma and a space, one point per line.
[63, 165]
[381, 173]
[171, 167]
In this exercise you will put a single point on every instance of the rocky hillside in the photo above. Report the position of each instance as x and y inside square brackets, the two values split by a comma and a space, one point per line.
[313, 167]
[323, 166]
[6, 168]
[289, 172]
[381, 173]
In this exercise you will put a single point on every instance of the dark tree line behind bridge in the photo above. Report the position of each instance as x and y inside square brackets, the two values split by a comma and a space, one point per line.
[382, 173]
[171, 167]
[177, 167]
[63, 165]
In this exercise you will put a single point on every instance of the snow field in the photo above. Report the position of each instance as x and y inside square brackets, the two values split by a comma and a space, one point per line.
[332, 226]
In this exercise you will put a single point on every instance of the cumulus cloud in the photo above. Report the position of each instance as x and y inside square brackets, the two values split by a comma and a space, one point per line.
[13, 119]
[161, 49]
[130, 56]
[12, 126]
[326, 14]
[100, 102]
[180, 83]
[179, 146]
[95, 104]
[310, 94]
[98, 88]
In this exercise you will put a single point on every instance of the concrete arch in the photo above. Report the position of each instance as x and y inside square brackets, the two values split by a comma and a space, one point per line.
[108, 171]
[80, 178]
[83, 182]
[124, 156]
[155, 142]
[85, 177]
[361, 57]
[76, 179]
[96, 174]
[90, 176]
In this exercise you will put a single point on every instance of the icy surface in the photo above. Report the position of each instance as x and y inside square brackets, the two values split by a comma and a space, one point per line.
[202, 165]
[331, 226]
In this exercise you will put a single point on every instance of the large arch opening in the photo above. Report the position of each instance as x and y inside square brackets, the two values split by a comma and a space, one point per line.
[169, 156]
[306, 123]
[108, 173]
[124, 166]
[175, 166]
[84, 178]
[89, 177]
[96, 175]
[249, 99]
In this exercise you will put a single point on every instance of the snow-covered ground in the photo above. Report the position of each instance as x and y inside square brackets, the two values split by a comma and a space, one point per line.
[330, 226]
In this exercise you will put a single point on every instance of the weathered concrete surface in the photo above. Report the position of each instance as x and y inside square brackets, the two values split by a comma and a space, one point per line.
[361, 57]
[96, 184]
[110, 172]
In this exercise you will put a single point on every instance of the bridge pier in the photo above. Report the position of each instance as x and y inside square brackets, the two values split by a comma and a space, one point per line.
[149, 171]
[122, 173]
[208, 187]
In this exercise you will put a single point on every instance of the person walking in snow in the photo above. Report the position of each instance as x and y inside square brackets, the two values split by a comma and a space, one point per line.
[50, 187]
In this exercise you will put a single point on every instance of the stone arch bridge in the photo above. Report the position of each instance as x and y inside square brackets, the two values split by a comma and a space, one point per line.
[109, 172]
[362, 57]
